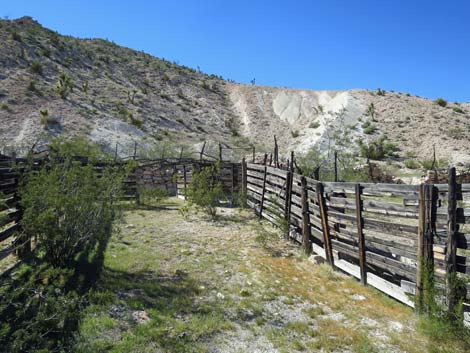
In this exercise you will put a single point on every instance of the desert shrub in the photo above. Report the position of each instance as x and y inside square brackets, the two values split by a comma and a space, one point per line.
[64, 85]
[16, 36]
[441, 102]
[378, 149]
[36, 67]
[4, 106]
[458, 110]
[46, 119]
[314, 125]
[135, 121]
[150, 196]
[438, 163]
[368, 127]
[77, 146]
[295, 133]
[69, 208]
[411, 163]
[380, 92]
[205, 190]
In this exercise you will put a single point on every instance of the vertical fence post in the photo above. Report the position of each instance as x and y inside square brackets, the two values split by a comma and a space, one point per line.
[288, 195]
[420, 255]
[451, 248]
[289, 186]
[336, 166]
[253, 154]
[135, 149]
[233, 178]
[220, 151]
[324, 223]
[264, 186]
[360, 235]
[426, 225]
[184, 180]
[244, 177]
[305, 218]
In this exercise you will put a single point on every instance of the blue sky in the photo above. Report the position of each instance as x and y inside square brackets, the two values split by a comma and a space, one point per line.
[416, 46]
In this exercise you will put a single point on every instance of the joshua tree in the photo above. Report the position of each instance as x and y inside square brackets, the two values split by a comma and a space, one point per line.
[64, 85]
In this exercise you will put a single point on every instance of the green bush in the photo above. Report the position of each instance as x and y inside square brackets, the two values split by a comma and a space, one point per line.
[378, 149]
[411, 164]
[64, 85]
[458, 110]
[205, 190]
[314, 125]
[68, 207]
[151, 196]
[428, 163]
[441, 102]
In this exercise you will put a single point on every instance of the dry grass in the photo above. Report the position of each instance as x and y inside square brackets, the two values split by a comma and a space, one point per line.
[232, 285]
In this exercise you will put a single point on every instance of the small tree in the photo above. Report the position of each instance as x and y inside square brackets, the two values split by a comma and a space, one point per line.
[205, 190]
[64, 85]
[68, 206]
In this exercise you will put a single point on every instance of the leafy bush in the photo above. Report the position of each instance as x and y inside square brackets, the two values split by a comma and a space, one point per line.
[458, 110]
[441, 102]
[68, 207]
[380, 92]
[205, 191]
[377, 149]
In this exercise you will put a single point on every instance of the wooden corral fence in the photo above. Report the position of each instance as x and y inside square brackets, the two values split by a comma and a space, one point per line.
[383, 234]
[173, 175]
[229, 175]
[13, 242]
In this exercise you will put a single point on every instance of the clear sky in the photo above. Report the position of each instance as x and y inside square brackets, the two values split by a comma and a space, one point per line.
[416, 46]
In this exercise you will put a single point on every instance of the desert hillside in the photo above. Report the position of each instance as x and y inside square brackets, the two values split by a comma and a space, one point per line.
[52, 84]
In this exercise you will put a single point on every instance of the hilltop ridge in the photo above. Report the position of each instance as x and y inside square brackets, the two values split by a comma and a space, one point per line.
[54, 85]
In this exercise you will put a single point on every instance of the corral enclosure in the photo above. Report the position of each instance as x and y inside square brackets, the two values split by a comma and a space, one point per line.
[378, 233]
[382, 234]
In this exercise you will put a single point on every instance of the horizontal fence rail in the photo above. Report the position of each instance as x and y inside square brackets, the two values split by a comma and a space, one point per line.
[379, 233]
[173, 175]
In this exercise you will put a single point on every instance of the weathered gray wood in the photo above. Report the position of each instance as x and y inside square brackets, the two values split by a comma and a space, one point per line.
[325, 228]
[306, 233]
[360, 235]
[264, 188]
[451, 252]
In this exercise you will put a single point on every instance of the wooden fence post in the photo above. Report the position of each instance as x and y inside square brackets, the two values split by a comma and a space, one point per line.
[360, 235]
[244, 177]
[287, 196]
[253, 154]
[202, 151]
[220, 151]
[264, 186]
[184, 180]
[425, 270]
[451, 248]
[336, 166]
[289, 185]
[233, 178]
[324, 221]
[306, 232]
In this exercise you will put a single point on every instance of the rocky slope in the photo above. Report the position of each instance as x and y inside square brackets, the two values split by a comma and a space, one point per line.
[52, 84]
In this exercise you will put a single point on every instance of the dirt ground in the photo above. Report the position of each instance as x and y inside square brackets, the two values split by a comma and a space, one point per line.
[178, 282]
